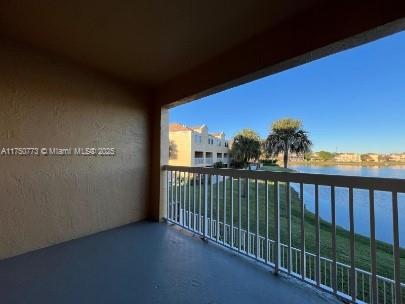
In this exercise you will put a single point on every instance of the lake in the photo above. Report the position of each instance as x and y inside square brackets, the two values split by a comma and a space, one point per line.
[383, 210]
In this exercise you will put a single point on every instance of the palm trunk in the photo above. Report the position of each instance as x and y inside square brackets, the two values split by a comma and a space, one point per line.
[285, 158]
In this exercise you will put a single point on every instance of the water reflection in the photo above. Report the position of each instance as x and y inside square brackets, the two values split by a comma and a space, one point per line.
[383, 210]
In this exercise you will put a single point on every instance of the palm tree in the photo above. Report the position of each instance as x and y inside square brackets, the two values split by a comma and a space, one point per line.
[286, 136]
[245, 147]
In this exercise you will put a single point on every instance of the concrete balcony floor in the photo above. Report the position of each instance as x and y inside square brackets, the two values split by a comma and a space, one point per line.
[145, 263]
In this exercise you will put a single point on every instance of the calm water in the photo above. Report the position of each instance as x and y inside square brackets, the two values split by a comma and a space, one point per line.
[383, 210]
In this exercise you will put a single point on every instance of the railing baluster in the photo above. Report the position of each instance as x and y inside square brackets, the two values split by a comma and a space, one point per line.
[257, 218]
[397, 257]
[178, 214]
[180, 199]
[248, 215]
[194, 189]
[239, 214]
[288, 211]
[276, 229]
[205, 205]
[172, 196]
[373, 252]
[176, 199]
[189, 200]
[224, 203]
[333, 210]
[303, 257]
[184, 198]
[168, 195]
[199, 203]
[217, 234]
[231, 198]
[211, 202]
[317, 237]
[266, 220]
[352, 249]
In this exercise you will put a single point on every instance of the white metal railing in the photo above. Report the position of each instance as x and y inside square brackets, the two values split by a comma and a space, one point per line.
[209, 161]
[198, 160]
[203, 199]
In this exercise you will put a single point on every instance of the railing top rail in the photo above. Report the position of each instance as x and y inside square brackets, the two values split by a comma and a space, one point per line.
[357, 182]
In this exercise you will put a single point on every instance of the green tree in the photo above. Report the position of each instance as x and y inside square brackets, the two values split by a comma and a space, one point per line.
[325, 155]
[172, 150]
[286, 136]
[246, 147]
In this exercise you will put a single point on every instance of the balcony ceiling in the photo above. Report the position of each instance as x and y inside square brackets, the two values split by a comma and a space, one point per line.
[183, 49]
[145, 42]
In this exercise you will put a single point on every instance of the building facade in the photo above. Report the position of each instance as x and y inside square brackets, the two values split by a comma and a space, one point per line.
[348, 157]
[194, 146]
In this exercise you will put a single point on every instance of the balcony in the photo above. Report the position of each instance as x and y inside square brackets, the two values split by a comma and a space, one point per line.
[209, 161]
[198, 161]
[262, 215]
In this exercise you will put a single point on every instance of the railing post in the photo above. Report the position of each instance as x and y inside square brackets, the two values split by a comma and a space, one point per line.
[205, 206]
[333, 209]
[397, 257]
[194, 186]
[266, 220]
[217, 234]
[224, 197]
[257, 219]
[175, 204]
[317, 238]
[211, 203]
[189, 201]
[239, 214]
[373, 251]
[180, 192]
[168, 195]
[199, 204]
[248, 214]
[183, 215]
[353, 282]
[303, 257]
[276, 229]
[232, 241]
[288, 205]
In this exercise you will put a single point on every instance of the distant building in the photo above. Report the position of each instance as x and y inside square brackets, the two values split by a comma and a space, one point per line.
[347, 157]
[372, 157]
[292, 157]
[397, 157]
[195, 147]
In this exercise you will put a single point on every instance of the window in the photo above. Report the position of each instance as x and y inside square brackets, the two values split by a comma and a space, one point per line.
[197, 138]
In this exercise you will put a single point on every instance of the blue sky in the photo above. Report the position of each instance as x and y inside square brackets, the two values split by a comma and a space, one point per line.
[352, 101]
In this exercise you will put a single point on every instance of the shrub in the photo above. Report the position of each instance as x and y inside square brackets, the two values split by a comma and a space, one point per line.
[218, 165]
[269, 162]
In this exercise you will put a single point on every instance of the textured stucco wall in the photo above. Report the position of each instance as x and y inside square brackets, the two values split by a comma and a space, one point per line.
[182, 152]
[47, 102]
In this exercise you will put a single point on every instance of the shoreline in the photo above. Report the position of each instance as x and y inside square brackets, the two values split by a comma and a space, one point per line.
[357, 164]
